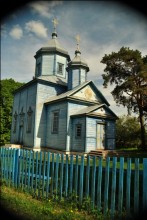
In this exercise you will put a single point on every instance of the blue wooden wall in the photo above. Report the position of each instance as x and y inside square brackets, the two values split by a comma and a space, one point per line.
[22, 101]
[78, 144]
[57, 141]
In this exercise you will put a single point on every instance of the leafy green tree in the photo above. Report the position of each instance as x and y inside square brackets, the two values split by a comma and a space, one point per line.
[127, 132]
[7, 88]
[127, 71]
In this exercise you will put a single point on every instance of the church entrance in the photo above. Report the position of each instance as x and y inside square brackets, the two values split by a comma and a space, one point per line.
[101, 136]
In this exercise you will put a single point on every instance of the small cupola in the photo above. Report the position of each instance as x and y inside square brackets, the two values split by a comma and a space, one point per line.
[52, 58]
[77, 69]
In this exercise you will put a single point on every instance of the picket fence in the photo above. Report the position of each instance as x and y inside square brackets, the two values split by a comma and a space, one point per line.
[111, 184]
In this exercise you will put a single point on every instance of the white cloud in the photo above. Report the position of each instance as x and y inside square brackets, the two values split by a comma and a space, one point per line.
[16, 32]
[45, 8]
[36, 27]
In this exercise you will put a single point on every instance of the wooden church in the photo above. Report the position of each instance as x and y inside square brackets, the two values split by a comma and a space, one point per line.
[59, 109]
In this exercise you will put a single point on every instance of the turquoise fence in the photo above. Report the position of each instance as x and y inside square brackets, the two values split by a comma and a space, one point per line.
[112, 184]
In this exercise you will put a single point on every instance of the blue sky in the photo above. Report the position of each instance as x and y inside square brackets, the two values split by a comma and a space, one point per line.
[104, 26]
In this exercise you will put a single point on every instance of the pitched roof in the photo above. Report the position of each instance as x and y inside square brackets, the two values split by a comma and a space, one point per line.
[54, 79]
[44, 79]
[89, 110]
[73, 91]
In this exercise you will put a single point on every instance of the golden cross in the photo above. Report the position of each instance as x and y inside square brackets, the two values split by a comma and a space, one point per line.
[55, 22]
[77, 37]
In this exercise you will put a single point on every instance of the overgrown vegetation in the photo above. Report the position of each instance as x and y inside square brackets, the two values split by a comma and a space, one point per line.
[21, 204]
[7, 88]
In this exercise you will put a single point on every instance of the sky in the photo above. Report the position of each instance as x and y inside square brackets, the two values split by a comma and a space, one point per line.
[104, 27]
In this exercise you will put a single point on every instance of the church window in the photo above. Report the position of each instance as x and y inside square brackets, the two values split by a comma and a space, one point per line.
[38, 69]
[21, 123]
[55, 122]
[60, 68]
[29, 120]
[78, 131]
[15, 122]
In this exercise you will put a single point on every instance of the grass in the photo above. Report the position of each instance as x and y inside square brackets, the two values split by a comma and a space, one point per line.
[22, 205]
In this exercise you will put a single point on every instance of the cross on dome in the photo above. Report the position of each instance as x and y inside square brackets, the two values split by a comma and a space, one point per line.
[78, 39]
[55, 23]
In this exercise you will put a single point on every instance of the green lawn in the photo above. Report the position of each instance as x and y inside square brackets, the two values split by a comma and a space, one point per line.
[23, 206]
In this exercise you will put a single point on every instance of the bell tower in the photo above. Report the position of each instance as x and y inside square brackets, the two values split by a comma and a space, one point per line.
[52, 58]
[77, 69]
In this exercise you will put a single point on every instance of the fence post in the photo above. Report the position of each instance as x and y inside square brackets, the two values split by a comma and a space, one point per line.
[144, 184]
[16, 167]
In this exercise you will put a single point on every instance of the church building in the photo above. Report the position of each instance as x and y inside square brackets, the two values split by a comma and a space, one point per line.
[60, 109]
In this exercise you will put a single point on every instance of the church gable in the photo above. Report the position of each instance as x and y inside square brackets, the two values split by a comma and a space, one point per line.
[90, 93]
[103, 111]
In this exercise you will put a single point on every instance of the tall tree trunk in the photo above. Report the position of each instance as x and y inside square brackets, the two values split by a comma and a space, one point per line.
[141, 119]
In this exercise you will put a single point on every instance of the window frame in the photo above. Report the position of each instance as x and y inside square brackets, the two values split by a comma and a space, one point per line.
[29, 120]
[60, 65]
[78, 131]
[38, 69]
[55, 122]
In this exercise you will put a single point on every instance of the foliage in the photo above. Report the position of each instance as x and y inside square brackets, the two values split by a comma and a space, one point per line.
[7, 87]
[127, 70]
[127, 132]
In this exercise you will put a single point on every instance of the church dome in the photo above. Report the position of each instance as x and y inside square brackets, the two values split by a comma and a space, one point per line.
[78, 61]
[53, 46]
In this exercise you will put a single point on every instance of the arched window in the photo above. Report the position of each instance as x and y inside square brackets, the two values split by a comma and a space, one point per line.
[15, 122]
[29, 120]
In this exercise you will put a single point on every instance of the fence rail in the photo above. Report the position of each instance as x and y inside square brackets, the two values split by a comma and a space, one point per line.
[114, 184]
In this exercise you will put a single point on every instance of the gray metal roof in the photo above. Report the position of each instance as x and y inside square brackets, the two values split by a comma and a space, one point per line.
[67, 94]
[54, 79]
[76, 89]
[54, 44]
[78, 60]
[90, 109]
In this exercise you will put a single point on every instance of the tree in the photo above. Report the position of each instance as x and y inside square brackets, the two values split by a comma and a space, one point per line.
[127, 71]
[7, 88]
[127, 132]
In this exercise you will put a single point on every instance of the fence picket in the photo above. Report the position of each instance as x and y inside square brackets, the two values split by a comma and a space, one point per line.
[32, 177]
[13, 167]
[43, 175]
[81, 179]
[61, 175]
[144, 184]
[22, 171]
[36, 180]
[99, 183]
[48, 175]
[128, 185]
[56, 173]
[136, 186]
[113, 188]
[29, 167]
[40, 169]
[71, 174]
[106, 185]
[52, 174]
[120, 189]
[93, 181]
[87, 176]
[76, 176]
[66, 176]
